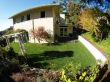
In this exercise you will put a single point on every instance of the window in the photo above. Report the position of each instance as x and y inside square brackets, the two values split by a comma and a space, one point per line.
[22, 18]
[28, 16]
[42, 14]
[63, 32]
[14, 21]
[65, 29]
[61, 29]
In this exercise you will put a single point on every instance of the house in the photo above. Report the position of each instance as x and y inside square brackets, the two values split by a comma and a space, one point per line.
[47, 16]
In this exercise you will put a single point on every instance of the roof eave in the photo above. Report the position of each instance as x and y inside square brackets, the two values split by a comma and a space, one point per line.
[31, 9]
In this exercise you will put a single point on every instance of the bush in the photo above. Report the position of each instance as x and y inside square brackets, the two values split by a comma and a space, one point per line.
[3, 42]
[11, 53]
[41, 34]
[73, 74]
[9, 61]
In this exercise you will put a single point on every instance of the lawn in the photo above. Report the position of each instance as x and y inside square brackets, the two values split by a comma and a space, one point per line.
[104, 45]
[57, 56]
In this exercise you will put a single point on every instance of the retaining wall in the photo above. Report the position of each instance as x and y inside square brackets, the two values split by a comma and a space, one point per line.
[94, 51]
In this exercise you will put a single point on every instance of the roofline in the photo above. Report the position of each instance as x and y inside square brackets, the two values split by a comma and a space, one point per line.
[37, 7]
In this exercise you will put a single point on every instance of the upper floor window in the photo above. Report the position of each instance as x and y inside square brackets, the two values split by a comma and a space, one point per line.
[42, 14]
[14, 21]
[28, 16]
[22, 18]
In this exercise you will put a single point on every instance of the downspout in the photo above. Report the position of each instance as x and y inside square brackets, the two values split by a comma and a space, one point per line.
[33, 29]
[53, 24]
[55, 21]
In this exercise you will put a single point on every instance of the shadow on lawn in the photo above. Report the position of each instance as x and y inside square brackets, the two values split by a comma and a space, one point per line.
[39, 60]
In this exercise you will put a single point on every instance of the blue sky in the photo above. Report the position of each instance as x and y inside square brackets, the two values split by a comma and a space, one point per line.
[11, 7]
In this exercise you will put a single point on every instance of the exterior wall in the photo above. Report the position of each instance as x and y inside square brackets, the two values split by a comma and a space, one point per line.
[34, 14]
[47, 23]
[36, 21]
[27, 25]
[95, 52]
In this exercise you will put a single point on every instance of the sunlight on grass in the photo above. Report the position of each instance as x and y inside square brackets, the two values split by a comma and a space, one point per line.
[57, 56]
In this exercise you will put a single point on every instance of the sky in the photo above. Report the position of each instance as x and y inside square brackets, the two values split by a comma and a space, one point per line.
[11, 7]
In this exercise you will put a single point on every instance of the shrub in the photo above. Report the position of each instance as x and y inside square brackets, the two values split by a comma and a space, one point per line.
[41, 34]
[69, 73]
[9, 61]
[73, 74]
[3, 42]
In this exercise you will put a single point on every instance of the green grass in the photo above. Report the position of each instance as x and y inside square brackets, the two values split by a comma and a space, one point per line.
[104, 45]
[57, 56]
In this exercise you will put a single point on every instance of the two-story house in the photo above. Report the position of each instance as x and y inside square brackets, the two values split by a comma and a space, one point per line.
[47, 16]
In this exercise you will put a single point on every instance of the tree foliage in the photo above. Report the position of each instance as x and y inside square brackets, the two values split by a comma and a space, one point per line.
[88, 20]
[63, 5]
[95, 22]
[103, 5]
[41, 34]
[73, 12]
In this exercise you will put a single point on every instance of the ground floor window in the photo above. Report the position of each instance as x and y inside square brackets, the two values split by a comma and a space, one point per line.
[63, 32]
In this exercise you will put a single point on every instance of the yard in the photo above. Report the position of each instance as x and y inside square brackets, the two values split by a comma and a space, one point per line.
[56, 56]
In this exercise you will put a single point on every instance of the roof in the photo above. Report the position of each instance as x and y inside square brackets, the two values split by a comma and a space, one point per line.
[37, 7]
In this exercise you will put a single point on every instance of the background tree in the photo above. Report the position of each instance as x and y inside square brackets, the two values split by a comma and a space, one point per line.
[103, 5]
[104, 27]
[87, 20]
[73, 12]
[41, 34]
[92, 20]
[63, 5]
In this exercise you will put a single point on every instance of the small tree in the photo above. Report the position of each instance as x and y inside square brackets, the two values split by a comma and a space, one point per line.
[95, 22]
[41, 34]
[88, 20]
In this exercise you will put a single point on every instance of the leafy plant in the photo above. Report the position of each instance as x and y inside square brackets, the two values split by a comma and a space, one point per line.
[69, 73]
[89, 75]
[73, 74]
[41, 34]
